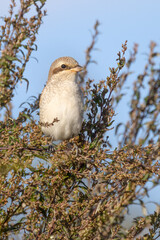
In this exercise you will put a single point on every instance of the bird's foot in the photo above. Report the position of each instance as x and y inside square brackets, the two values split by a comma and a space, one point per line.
[51, 148]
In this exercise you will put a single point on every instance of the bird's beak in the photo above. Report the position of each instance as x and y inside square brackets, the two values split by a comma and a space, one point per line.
[78, 68]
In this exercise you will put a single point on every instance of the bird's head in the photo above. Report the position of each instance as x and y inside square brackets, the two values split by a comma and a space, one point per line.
[63, 66]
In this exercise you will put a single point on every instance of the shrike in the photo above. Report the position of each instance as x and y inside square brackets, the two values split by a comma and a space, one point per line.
[61, 101]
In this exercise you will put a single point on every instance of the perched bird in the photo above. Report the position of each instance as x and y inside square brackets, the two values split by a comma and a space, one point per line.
[61, 101]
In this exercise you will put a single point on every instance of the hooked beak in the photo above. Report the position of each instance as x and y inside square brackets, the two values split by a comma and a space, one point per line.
[78, 68]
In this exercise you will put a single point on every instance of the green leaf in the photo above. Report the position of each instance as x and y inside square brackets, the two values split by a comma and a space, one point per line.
[10, 58]
[146, 176]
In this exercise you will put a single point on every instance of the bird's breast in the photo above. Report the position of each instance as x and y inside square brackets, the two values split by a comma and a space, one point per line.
[66, 104]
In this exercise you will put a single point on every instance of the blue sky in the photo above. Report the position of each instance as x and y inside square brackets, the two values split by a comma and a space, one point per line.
[66, 31]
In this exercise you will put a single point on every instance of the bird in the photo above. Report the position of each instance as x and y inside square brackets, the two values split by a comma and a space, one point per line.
[61, 101]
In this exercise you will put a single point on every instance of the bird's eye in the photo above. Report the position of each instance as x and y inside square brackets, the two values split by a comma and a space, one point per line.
[63, 66]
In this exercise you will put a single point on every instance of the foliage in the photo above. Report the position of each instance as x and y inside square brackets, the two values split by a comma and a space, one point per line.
[71, 195]
[145, 101]
[17, 41]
